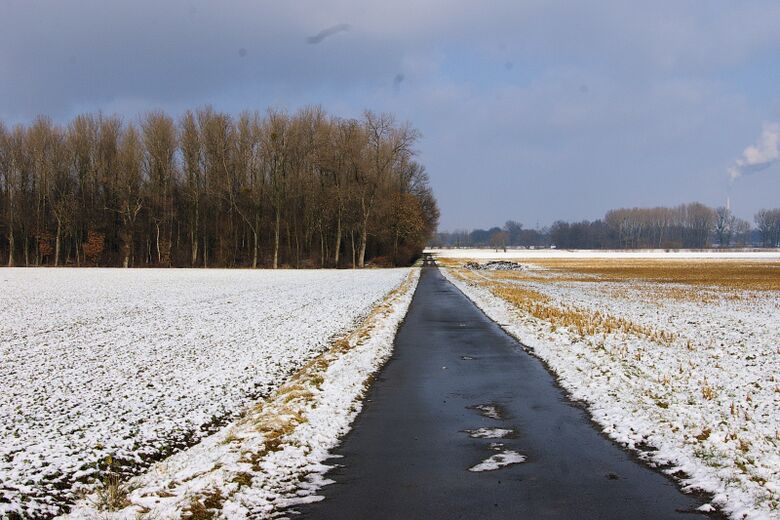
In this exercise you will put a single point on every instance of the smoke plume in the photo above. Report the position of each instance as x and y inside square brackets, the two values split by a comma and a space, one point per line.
[760, 156]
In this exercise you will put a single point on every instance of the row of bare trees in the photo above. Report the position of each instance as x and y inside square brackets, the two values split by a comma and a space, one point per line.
[687, 225]
[209, 189]
[691, 225]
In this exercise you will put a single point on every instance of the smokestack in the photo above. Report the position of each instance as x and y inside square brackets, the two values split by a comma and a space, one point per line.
[728, 202]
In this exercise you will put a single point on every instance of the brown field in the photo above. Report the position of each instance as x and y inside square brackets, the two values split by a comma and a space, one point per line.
[731, 274]
[724, 274]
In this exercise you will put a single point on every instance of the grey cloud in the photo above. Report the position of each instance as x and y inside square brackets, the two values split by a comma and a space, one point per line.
[659, 117]
[330, 31]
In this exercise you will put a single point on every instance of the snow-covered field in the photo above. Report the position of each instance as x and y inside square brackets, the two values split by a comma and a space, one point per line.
[114, 369]
[513, 254]
[687, 375]
[273, 456]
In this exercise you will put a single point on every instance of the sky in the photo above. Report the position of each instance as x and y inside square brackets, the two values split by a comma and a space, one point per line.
[529, 110]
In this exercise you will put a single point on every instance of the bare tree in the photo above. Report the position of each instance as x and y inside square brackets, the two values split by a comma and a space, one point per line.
[741, 231]
[276, 163]
[724, 225]
[160, 145]
[768, 224]
[764, 224]
[9, 186]
[498, 240]
[194, 178]
[129, 189]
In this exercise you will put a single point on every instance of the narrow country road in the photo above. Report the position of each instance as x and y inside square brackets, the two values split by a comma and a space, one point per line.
[409, 455]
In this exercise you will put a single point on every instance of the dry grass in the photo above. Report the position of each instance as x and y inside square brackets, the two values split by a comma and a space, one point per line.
[205, 507]
[242, 479]
[111, 495]
[707, 391]
[583, 322]
[661, 293]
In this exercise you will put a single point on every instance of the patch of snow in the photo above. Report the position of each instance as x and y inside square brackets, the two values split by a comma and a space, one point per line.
[490, 411]
[498, 461]
[489, 433]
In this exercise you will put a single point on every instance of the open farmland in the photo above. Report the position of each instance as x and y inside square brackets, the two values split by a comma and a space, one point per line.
[124, 367]
[676, 357]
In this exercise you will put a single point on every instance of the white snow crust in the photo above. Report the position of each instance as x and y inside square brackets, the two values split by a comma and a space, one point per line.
[489, 433]
[490, 411]
[498, 461]
[321, 400]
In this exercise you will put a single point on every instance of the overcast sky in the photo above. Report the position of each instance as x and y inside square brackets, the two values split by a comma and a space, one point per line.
[529, 110]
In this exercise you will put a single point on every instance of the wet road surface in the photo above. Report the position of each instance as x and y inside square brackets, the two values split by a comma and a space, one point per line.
[408, 455]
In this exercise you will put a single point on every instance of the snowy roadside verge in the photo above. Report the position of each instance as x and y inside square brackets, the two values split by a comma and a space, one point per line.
[700, 403]
[273, 457]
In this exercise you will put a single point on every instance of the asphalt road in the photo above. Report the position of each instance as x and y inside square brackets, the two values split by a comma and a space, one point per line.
[408, 455]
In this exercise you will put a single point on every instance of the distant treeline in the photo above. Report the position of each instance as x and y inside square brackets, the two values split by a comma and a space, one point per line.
[687, 226]
[209, 189]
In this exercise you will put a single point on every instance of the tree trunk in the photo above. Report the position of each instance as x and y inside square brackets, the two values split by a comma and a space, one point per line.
[157, 239]
[395, 247]
[169, 247]
[57, 244]
[289, 243]
[256, 233]
[194, 238]
[322, 248]
[297, 251]
[11, 248]
[363, 242]
[276, 240]
[338, 242]
[352, 234]
[193, 245]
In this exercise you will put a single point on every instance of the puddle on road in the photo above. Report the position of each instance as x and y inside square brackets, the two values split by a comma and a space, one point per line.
[491, 433]
[491, 411]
